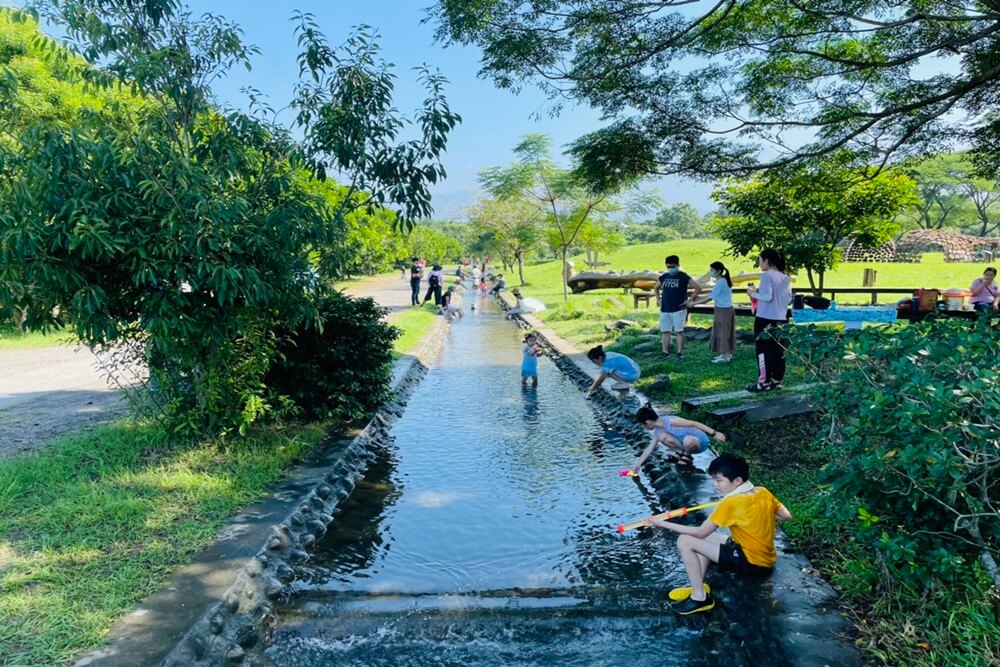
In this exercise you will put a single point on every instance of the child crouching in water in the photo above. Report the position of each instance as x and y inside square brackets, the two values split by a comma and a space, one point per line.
[749, 512]
[623, 369]
[529, 360]
[684, 436]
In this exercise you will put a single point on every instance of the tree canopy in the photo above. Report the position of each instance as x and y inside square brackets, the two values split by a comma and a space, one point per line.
[184, 235]
[807, 211]
[714, 88]
[569, 206]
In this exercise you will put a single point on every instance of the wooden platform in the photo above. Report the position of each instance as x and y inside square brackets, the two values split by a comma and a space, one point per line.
[759, 407]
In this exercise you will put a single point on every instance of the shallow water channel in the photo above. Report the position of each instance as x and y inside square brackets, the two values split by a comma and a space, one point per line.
[484, 535]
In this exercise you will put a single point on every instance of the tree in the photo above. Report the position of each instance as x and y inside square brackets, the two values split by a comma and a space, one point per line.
[363, 242]
[179, 234]
[432, 244]
[939, 202]
[513, 227]
[983, 194]
[683, 219]
[536, 178]
[806, 212]
[719, 88]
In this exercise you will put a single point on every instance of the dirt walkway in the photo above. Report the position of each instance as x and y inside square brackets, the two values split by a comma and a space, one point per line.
[48, 392]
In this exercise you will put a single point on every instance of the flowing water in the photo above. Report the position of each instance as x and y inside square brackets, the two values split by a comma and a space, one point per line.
[484, 535]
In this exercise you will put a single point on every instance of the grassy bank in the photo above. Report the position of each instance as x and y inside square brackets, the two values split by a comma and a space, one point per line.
[414, 324]
[696, 254]
[582, 318]
[94, 523]
[956, 625]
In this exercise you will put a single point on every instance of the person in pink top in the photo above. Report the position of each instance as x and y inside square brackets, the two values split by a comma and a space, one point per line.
[773, 297]
[985, 293]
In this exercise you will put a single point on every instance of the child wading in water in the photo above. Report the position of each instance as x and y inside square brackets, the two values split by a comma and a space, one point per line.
[529, 360]
[684, 436]
[623, 369]
[750, 512]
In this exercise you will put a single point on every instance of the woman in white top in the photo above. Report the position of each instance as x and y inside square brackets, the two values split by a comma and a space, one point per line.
[723, 340]
[773, 297]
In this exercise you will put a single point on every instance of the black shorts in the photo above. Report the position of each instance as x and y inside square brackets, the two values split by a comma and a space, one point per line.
[732, 559]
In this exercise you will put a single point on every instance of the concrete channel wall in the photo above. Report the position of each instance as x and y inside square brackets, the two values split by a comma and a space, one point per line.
[803, 614]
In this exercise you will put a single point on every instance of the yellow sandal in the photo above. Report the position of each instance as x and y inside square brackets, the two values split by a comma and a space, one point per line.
[683, 593]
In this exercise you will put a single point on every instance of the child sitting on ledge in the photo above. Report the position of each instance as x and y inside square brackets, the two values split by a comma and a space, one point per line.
[749, 512]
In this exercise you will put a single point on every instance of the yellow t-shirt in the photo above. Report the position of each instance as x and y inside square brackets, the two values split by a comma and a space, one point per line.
[750, 518]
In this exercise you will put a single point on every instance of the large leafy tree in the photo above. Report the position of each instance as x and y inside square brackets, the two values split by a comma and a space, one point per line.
[683, 219]
[940, 202]
[719, 87]
[513, 228]
[182, 233]
[806, 212]
[569, 206]
[432, 244]
[981, 195]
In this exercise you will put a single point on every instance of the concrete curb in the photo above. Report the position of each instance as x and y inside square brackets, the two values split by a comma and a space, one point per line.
[803, 613]
[214, 629]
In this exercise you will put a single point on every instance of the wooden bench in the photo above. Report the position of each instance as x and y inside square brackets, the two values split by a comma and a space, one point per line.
[641, 296]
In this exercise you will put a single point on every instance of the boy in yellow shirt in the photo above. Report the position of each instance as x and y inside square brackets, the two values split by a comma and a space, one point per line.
[750, 512]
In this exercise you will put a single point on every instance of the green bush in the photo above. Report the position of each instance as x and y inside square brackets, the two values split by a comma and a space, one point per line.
[913, 420]
[341, 371]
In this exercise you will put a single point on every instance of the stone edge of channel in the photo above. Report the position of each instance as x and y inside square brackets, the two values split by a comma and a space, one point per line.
[232, 629]
[813, 632]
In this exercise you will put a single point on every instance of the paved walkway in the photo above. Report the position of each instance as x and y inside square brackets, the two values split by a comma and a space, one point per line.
[48, 392]
[390, 292]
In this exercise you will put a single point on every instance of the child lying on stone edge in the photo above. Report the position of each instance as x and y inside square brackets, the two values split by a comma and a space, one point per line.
[749, 512]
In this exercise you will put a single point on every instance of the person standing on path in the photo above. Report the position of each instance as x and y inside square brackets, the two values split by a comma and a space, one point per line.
[723, 340]
[773, 297]
[416, 275]
[434, 280]
[671, 294]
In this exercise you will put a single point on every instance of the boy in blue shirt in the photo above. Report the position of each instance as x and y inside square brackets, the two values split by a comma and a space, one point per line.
[672, 294]
[613, 365]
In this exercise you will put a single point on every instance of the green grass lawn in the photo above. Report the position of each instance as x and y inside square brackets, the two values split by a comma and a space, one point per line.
[582, 317]
[14, 339]
[414, 324]
[94, 523]
[697, 254]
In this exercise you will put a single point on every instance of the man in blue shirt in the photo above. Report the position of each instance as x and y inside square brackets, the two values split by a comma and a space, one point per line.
[671, 292]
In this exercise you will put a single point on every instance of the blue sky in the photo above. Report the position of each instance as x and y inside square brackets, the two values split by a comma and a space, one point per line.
[493, 119]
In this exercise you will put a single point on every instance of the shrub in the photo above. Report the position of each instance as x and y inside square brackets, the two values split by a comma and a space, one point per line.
[914, 417]
[341, 371]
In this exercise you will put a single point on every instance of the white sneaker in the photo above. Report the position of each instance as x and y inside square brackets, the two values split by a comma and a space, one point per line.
[621, 386]
[721, 360]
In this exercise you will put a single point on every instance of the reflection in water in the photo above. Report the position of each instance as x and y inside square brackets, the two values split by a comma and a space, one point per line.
[529, 398]
[484, 535]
